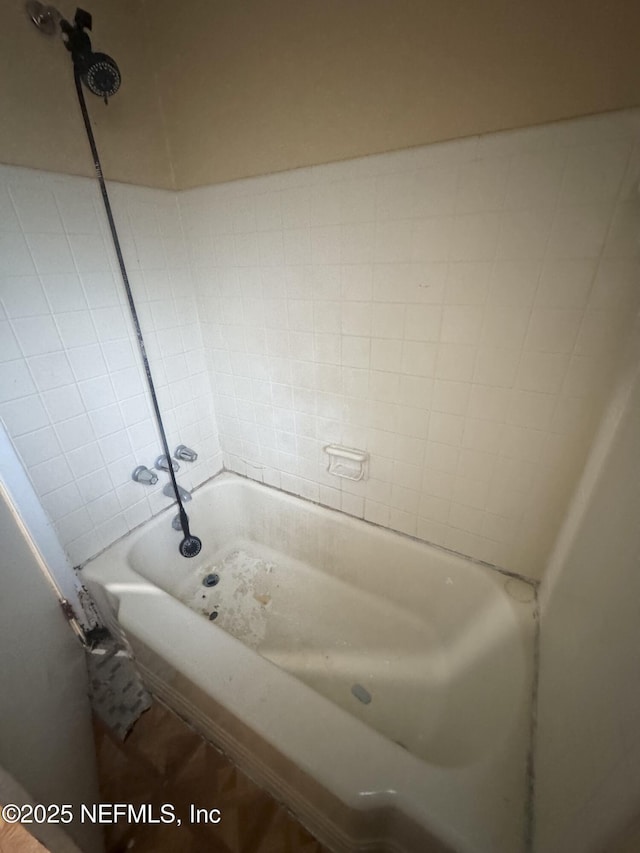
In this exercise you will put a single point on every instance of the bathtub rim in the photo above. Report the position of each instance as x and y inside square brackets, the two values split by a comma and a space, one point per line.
[228, 474]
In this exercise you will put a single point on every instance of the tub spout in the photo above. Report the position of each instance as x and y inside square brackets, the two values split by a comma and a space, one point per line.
[184, 494]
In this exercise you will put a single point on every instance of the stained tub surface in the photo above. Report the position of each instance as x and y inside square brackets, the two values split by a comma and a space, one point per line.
[379, 685]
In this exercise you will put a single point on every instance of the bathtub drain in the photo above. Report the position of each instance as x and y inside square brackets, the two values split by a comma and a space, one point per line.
[361, 693]
[213, 615]
[211, 579]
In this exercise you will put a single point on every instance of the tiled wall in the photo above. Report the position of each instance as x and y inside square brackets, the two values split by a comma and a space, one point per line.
[456, 310]
[72, 390]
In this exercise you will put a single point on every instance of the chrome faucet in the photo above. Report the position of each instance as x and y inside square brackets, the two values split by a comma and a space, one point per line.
[162, 464]
[169, 492]
[185, 453]
[143, 475]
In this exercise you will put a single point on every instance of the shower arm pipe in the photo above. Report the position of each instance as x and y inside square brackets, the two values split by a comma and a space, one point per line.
[132, 307]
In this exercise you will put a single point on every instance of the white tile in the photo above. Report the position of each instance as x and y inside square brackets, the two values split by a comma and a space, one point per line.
[76, 329]
[110, 324]
[488, 403]
[51, 254]
[63, 403]
[466, 518]
[622, 239]
[50, 475]
[435, 191]
[9, 348]
[434, 508]
[395, 241]
[128, 383]
[37, 335]
[461, 324]
[15, 257]
[468, 283]
[553, 329]
[50, 371]
[514, 283]
[531, 409]
[104, 508]
[87, 362]
[74, 525]
[356, 318]
[496, 366]
[422, 322]
[566, 283]
[64, 292]
[477, 465]
[386, 355]
[77, 209]
[482, 185]
[616, 285]
[470, 493]
[37, 210]
[15, 381]
[579, 232]
[441, 457]
[600, 332]
[535, 180]
[594, 172]
[96, 393]
[63, 501]
[22, 296]
[505, 327]
[8, 218]
[101, 289]
[524, 234]
[388, 320]
[394, 196]
[24, 415]
[433, 238]
[482, 435]
[446, 428]
[450, 397]
[542, 371]
[85, 460]
[419, 359]
[37, 447]
[75, 432]
[357, 242]
[475, 237]
[455, 362]
[95, 484]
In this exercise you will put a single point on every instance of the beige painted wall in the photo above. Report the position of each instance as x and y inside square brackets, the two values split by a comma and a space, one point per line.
[257, 86]
[588, 743]
[41, 125]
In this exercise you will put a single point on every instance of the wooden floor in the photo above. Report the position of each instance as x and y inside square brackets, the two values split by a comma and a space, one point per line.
[164, 761]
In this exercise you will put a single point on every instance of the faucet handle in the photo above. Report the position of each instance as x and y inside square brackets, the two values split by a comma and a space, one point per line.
[185, 453]
[162, 463]
[143, 475]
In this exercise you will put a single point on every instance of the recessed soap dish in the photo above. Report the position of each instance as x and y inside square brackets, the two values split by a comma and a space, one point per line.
[347, 462]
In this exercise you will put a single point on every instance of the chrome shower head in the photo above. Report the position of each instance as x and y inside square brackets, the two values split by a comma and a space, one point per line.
[98, 71]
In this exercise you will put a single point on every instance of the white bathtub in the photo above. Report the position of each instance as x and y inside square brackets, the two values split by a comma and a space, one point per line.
[310, 604]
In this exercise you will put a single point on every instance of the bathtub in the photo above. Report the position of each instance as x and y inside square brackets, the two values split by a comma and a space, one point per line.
[378, 686]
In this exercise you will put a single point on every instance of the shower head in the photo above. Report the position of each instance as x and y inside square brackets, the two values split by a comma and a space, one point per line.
[98, 72]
